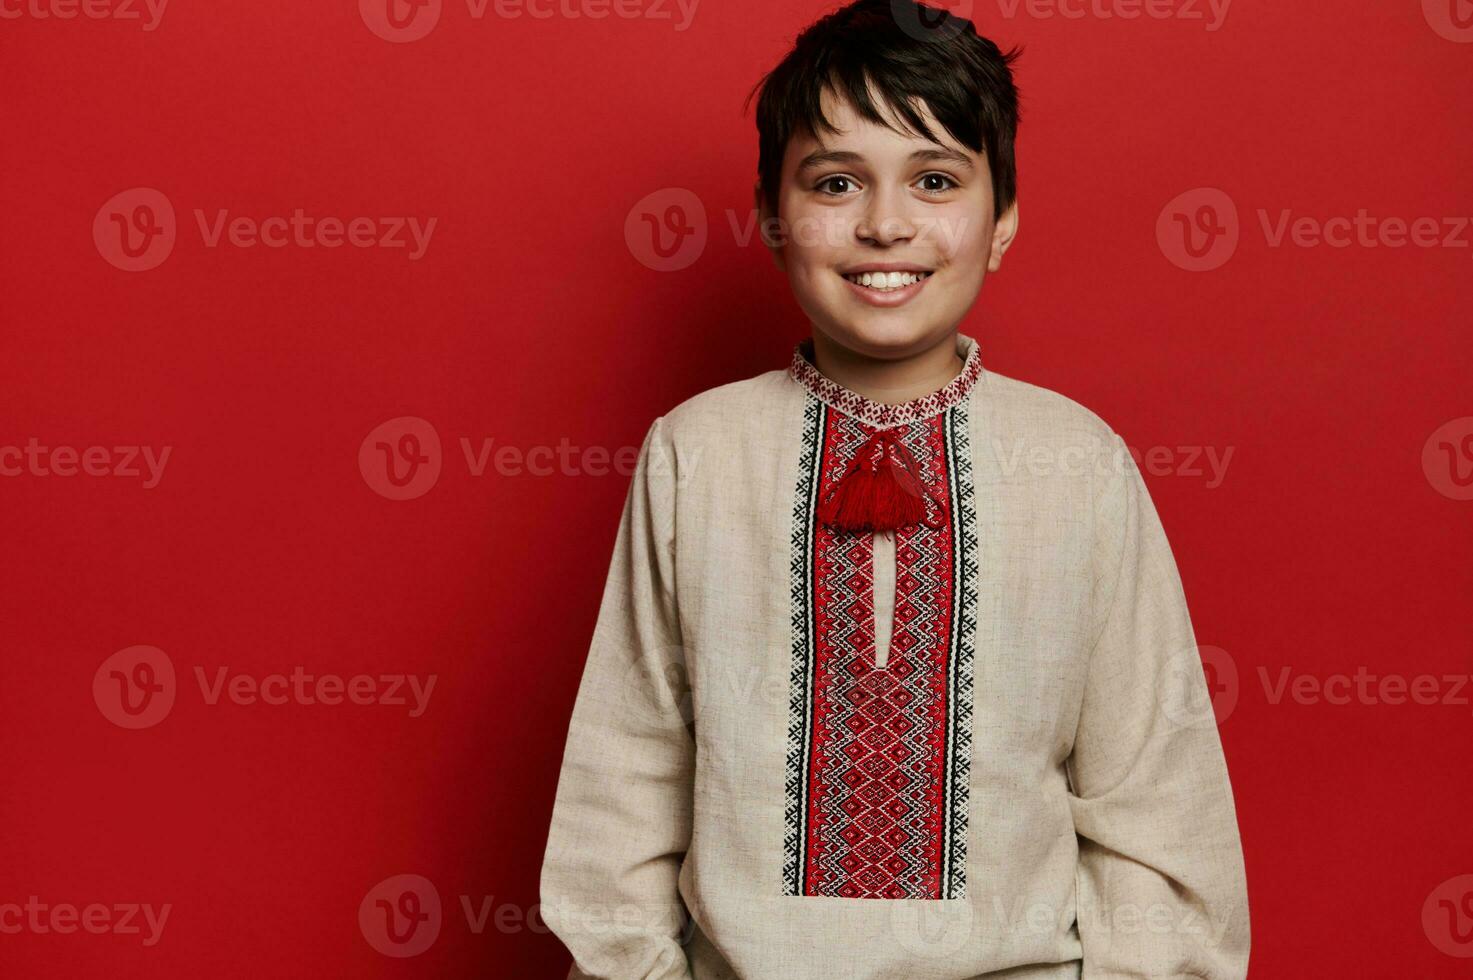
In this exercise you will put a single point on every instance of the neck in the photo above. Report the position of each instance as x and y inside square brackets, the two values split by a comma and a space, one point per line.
[888, 381]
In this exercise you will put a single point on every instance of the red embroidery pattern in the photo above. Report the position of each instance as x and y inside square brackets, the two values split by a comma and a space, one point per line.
[878, 414]
[879, 757]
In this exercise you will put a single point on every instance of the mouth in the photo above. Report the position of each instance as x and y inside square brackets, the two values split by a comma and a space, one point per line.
[887, 288]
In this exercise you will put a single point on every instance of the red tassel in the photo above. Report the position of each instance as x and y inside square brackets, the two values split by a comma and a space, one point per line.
[881, 491]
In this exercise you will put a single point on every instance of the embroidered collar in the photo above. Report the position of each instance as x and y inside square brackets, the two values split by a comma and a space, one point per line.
[874, 413]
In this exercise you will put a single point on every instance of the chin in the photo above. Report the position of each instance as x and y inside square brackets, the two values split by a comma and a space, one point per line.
[885, 338]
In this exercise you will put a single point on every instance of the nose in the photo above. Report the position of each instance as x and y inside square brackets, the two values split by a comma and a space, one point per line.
[885, 220]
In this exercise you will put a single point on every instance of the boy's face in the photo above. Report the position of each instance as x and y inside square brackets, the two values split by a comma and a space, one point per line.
[871, 199]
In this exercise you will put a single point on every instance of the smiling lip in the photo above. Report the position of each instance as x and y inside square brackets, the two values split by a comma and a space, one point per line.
[883, 267]
[890, 297]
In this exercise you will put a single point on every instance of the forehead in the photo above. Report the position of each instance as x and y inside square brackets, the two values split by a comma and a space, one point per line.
[852, 131]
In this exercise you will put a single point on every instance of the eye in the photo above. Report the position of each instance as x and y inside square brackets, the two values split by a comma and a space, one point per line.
[826, 185]
[945, 181]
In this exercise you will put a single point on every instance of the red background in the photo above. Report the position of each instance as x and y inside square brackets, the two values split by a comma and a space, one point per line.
[529, 320]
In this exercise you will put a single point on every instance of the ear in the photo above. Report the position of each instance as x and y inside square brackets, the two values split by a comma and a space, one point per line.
[765, 218]
[1003, 233]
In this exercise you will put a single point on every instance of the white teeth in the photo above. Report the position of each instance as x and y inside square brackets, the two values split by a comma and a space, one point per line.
[885, 281]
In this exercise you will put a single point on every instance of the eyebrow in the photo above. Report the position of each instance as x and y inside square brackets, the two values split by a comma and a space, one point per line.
[940, 154]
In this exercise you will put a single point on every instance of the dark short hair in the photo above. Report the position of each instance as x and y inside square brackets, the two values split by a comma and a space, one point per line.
[906, 50]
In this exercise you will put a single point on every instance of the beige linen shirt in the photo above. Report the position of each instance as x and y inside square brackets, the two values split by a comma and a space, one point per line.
[982, 746]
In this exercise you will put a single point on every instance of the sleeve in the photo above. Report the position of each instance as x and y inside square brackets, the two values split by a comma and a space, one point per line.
[1161, 886]
[621, 820]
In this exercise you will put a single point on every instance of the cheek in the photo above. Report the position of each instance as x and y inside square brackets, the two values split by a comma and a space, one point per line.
[817, 237]
[963, 237]
[814, 246]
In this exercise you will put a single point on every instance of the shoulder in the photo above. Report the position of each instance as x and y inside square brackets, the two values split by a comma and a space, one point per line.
[1019, 409]
[719, 438]
[1051, 449]
[727, 409]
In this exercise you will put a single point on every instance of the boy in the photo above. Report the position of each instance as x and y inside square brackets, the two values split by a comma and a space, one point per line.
[893, 676]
